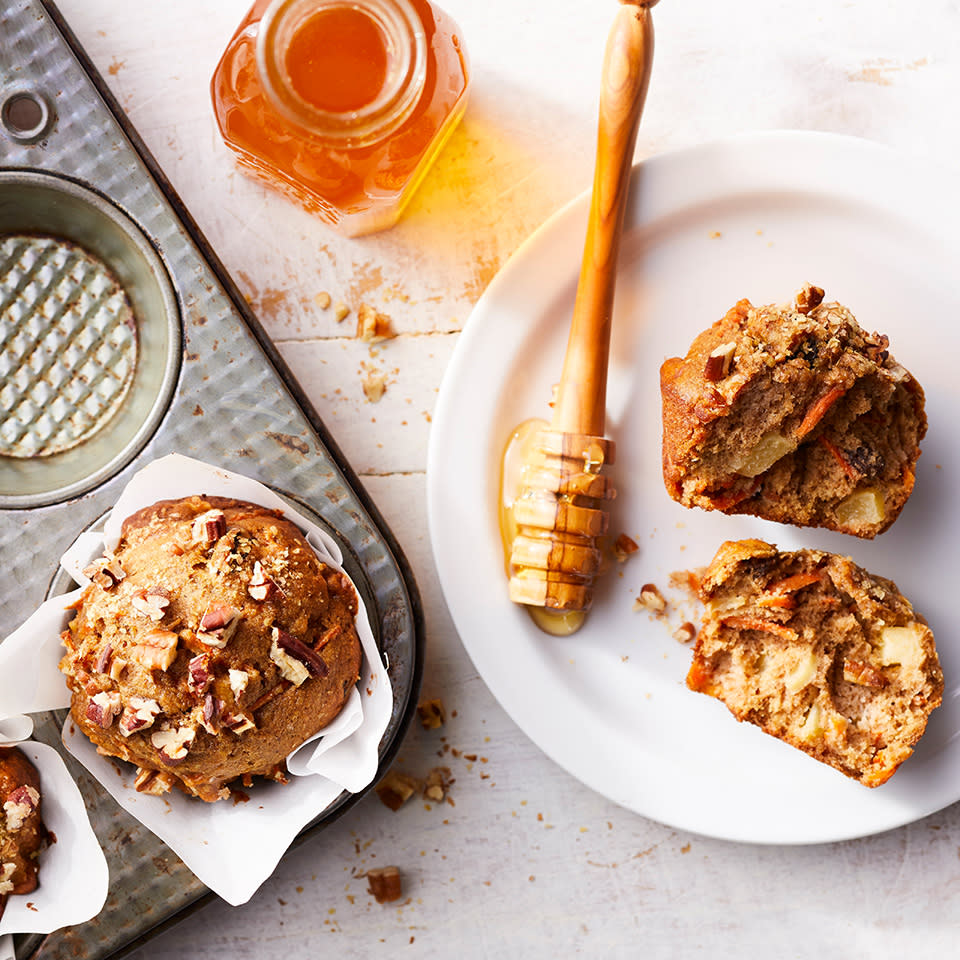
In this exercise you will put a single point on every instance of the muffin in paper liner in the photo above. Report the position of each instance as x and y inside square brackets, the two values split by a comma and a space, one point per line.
[74, 855]
[231, 847]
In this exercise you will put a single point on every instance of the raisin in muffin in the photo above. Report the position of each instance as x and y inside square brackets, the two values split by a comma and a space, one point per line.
[22, 833]
[793, 414]
[209, 645]
[819, 653]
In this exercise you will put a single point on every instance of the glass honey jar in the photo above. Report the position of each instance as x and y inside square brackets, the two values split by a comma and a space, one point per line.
[342, 105]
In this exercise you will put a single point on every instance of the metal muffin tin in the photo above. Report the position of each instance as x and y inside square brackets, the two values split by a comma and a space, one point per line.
[83, 204]
[91, 338]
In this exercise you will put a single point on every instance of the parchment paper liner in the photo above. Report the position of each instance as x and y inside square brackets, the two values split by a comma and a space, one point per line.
[73, 871]
[232, 848]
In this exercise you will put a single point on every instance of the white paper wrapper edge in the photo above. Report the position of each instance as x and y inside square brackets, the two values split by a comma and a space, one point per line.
[59, 899]
[15, 729]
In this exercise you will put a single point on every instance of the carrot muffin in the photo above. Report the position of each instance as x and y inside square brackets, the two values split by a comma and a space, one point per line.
[209, 645]
[22, 833]
[819, 653]
[794, 414]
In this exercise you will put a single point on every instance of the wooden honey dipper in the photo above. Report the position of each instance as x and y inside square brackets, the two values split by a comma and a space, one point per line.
[559, 511]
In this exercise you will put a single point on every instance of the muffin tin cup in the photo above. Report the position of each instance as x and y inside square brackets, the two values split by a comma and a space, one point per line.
[66, 243]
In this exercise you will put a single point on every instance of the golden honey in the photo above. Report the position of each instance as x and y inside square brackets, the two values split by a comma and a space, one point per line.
[342, 105]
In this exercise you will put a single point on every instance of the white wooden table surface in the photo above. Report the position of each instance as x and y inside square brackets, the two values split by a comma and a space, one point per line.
[528, 861]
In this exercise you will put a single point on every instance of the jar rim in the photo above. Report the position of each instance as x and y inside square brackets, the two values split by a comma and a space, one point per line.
[405, 41]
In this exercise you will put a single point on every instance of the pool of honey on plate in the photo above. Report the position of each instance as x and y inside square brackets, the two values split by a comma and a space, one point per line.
[342, 106]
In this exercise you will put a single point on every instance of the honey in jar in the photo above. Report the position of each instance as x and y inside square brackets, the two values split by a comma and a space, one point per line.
[342, 105]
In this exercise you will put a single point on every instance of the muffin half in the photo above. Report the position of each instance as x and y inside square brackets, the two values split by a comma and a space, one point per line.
[794, 414]
[819, 653]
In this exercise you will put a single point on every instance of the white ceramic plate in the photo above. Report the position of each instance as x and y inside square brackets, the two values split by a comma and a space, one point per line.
[747, 217]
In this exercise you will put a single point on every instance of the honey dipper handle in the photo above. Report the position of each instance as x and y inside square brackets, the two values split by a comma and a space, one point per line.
[581, 397]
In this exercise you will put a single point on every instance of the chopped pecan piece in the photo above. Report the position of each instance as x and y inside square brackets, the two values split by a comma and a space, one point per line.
[209, 527]
[104, 658]
[284, 642]
[138, 714]
[720, 362]
[437, 784]
[105, 571]
[650, 598]
[372, 326]
[237, 723]
[173, 743]
[339, 584]
[291, 668]
[152, 782]
[20, 803]
[879, 351]
[199, 676]
[685, 632]
[151, 603]
[239, 679]
[103, 707]
[431, 714]
[261, 587]
[624, 547]
[395, 789]
[7, 870]
[809, 298]
[210, 716]
[374, 384]
[117, 666]
[278, 774]
[156, 649]
[217, 625]
[385, 884]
